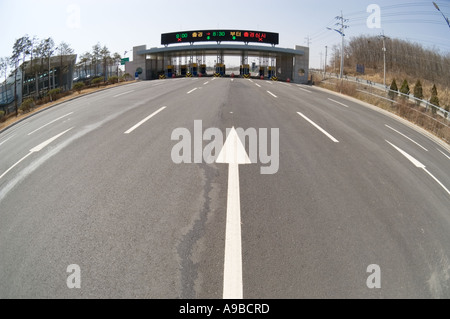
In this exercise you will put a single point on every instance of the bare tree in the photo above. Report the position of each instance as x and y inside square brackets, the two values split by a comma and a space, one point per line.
[84, 59]
[402, 57]
[47, 46]
[106, 57]
[116, 61]
[18, 49]
[38, 65]
[32, 46]
[27, 47]
[63, 50]
[4, 72]
[96, 56]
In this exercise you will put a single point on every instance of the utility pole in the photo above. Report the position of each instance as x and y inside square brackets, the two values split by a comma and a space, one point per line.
[308, 41]
[383, 37]
[342, 26]
[325, 68]
[321, 54]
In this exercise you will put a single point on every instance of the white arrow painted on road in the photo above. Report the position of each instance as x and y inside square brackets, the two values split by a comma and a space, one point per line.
[234, 154]
[35, 150]
[418, 165]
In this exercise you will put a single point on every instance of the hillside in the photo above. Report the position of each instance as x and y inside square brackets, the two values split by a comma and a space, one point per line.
[404, 60]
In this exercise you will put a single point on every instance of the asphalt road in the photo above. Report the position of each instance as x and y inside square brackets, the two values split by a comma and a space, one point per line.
[92, 182]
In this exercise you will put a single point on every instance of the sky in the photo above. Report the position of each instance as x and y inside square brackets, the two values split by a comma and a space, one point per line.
[122, 24]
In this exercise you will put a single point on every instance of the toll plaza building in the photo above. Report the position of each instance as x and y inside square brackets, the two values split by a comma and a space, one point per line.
[181, 56]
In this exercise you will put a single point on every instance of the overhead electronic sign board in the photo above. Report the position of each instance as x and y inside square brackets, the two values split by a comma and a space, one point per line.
[219, 36]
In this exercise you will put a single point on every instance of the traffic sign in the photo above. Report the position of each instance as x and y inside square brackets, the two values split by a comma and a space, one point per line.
[123, 61]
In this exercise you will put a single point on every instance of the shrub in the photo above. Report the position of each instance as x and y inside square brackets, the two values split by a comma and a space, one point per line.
[418, 90]
[405, 87]
[78, 87]
[2, 113]
[113, 80]
[126, 77]
[394, 89]
[27, 105]
[54, 94]
[97, 81]
[434, 96]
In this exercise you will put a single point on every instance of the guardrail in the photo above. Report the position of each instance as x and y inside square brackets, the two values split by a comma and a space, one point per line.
[419, 102]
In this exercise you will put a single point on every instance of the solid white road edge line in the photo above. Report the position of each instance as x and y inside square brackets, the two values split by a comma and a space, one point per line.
[59, 118]
[123, 93]
[305, 90]
[319, 128]
[406, 137]
[338, 102]
[144, 120]
[7, 139]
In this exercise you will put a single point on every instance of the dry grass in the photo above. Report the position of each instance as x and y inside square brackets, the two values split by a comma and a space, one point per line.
[409, 111]
[443, 90]
[11, 118]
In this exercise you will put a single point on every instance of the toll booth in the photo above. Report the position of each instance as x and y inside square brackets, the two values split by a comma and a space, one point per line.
[170, 71]
[220, 69]
[194, 69]
[271, 72]
[183, 70]
[203, 69]
[262, 72]
[245, 70]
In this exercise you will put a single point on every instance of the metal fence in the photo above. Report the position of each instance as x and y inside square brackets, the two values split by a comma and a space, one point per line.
[386, 90]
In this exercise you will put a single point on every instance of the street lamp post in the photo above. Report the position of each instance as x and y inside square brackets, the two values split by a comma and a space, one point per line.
[384, 55]
[439, 9]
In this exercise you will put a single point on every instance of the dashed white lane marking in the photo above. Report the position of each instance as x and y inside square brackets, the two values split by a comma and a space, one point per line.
[319, 128]
[144, 120]
[272, 94]
[437, 149]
